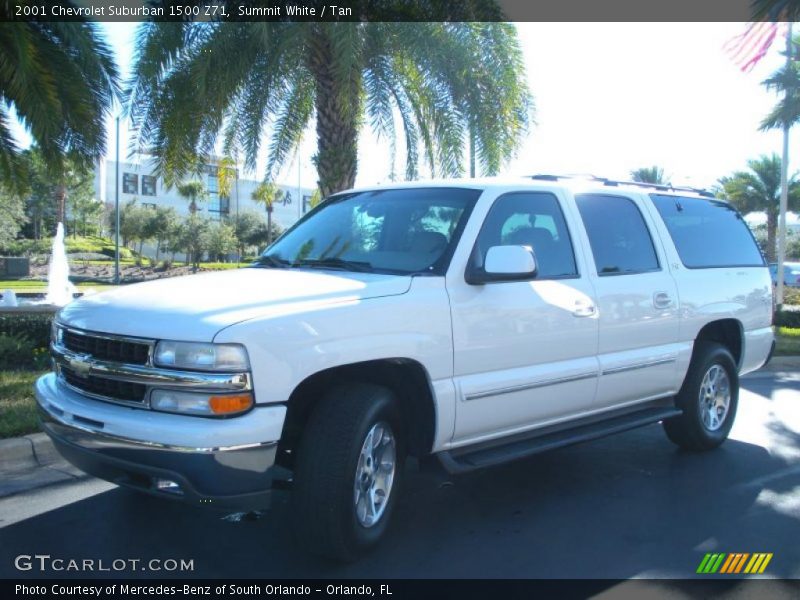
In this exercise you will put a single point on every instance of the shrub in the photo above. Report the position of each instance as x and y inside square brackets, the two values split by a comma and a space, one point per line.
[34, 326]
[86, 256]
[787, 318]
[16, 352]
[791, 296]
[124, 253]
[26, 247]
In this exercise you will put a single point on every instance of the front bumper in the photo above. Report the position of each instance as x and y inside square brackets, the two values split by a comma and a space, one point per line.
[217, 463]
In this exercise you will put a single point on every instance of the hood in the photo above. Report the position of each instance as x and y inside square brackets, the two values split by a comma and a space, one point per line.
[197, 307]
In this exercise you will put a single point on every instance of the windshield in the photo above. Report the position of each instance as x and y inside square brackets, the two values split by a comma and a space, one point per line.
[402, 231]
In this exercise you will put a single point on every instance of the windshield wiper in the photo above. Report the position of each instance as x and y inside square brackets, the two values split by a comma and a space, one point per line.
[272, 262]
[335, 263]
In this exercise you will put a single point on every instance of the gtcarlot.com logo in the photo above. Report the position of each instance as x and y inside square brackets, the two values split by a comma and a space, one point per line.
[732, 563]
[46, 562]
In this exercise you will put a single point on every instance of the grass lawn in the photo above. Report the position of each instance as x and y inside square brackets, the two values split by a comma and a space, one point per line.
[17, 406]
[28, 285]
[787, 342]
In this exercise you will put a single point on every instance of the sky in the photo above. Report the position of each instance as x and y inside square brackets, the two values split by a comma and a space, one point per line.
[609, 98]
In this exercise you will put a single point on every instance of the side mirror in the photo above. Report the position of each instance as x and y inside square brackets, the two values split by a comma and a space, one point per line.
[505, 263]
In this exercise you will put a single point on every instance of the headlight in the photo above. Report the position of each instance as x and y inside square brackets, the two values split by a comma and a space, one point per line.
[199, 403]
[201, 356]
[56, 333]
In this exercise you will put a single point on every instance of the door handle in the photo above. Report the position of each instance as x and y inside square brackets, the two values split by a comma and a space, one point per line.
[662, 300]
[584, 310]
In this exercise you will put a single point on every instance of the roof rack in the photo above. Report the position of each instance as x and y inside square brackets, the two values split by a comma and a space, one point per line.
[614, 183]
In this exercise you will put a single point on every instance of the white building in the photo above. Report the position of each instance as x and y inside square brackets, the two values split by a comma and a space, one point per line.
[137, 182]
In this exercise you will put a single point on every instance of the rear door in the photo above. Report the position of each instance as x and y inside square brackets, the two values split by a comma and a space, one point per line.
[637, 300]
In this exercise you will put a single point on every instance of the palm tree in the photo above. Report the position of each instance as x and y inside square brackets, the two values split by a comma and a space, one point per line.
[759, 189]
[444, 81]
[772, 10]
[654, 174]
[193, 191]
[227, 175]
[60, 80]
[267, 193]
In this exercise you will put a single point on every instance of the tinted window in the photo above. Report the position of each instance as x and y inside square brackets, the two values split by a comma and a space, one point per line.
[708, 233]
[618, 235]
[393, 231]
[530, 219]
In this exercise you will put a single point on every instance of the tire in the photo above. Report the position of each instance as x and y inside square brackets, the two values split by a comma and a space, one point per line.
[327, 520]
[697, 429]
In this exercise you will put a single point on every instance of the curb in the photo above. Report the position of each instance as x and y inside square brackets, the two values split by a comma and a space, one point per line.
[778, 365]
[16, 453]
[28, 451]
[31, 462]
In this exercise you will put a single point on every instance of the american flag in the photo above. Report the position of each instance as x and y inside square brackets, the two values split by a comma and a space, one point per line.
[746, 49]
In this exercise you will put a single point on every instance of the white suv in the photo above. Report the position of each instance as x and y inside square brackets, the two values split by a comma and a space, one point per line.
[476, 321]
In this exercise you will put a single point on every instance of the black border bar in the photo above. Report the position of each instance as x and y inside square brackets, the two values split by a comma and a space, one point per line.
[378, 10]
[402, 589]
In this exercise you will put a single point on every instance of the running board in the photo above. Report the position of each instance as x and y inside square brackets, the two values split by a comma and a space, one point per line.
[469, 458]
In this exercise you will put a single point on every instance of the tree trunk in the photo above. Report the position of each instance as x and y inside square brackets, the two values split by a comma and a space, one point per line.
[269, 225]
[61, 203]
[338, 107]
[772, 234]
[471, 153]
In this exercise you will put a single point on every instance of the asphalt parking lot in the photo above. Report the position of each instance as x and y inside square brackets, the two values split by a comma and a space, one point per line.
[622, 507]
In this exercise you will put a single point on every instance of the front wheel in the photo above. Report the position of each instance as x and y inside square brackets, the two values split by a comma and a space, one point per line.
[348, 471]
[709, 398]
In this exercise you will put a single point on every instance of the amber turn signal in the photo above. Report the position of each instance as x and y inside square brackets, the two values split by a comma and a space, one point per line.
[224, 405]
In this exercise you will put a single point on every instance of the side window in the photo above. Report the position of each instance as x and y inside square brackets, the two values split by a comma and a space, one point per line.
[618, 235]
[530, 219]
[692, 222]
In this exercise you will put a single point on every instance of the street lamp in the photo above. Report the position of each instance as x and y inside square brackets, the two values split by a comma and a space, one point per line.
[116, 209]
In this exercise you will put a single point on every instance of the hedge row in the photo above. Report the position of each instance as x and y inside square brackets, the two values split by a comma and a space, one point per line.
[97, 245]
[33, 326]
[787, 318]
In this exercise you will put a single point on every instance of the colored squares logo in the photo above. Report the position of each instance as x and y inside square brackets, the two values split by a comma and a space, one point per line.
[733, 563]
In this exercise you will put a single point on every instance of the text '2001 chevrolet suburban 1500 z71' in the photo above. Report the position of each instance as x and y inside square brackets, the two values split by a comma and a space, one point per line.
[476, 321]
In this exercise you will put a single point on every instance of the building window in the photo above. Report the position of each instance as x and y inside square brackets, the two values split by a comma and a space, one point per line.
[130, 183]
[148, 185]
[212, 183]
[218, 207]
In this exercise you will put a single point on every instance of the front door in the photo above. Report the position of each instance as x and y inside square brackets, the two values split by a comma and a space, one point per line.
[525, 351]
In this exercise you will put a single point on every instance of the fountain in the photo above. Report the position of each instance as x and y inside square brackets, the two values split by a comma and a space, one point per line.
[10, 299]
[59, 289]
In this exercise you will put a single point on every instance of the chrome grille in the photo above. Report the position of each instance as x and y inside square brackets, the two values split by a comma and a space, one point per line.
[107, 388]
[106, 348]
[120, 369]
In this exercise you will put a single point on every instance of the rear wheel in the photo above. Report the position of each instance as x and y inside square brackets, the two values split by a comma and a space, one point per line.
[348, 471]
[709, 398]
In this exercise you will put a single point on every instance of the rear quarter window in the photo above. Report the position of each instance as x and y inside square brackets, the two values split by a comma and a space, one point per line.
[708, 233]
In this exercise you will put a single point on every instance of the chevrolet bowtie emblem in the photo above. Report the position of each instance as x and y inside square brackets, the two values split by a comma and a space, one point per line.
[80, 365]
